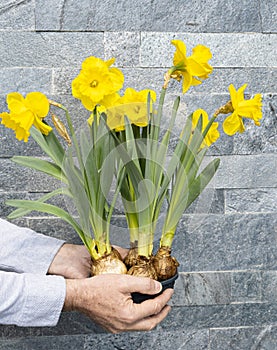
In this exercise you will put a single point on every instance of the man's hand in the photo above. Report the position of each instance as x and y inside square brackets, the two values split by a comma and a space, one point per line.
[74, 261]
[106, 299]
[71, 261]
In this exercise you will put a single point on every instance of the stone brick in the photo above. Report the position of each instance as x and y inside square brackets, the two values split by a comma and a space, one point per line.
[54, 227]
[268, 10]
[5, 210]
[48, 49]
[185, 340]
[261, 139]
[160, 16]
[124, 46]
[244, 338]
[156, 50]
[211, 201]
[17, 15]
[70, 342]
[70, 323]
[220, 316]
[207, 288]
[241, 171]
[269, 286]
[10, 146]
[25, 80]
[226, 242]
[259, 80]
[63, 78]
[251, 201]
[246, 286]
[14, 177]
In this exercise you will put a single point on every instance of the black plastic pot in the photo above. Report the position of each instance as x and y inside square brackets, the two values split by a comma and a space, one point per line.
[139, 297]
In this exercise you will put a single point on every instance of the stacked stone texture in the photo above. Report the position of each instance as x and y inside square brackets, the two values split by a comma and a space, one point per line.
[226, 295]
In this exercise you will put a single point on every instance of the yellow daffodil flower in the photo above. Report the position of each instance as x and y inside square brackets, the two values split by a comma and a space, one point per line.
[108, 105]
[135, 105]
[192, 69]
[25, 112]
[212, 135]
[95, 81]
[242, 108]
[132, 104]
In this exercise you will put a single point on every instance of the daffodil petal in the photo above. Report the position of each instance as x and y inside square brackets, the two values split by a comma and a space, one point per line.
[39, 103]
[233, 96]
[195, 81]
[7, 121]
[240, 92]
[201, 53]
[187, 79]
[196, 68]
[196, 115]
[233, 124]
[16, 103]
[41, 126]
[88, 103]
[25, 120]
[251, 108]
[110, 62]
[180, 54]
[117, 79]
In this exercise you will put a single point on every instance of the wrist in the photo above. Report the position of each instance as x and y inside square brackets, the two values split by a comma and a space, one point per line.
[71, 296]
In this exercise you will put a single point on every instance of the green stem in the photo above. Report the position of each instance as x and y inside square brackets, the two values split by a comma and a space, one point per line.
[72, 131]
[167, 238]
[145, 243]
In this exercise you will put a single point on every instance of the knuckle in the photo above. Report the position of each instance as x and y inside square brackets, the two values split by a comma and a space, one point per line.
[127, 316]
[157, 307]
[115, 331]
[151, 326]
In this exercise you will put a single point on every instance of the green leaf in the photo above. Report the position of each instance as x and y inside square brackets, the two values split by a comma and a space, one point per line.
[21, 212]
[40, 140]
[46, 208]
[77, 189]
[41, 165]
[202, 180]
[189, 194]
[55, 147]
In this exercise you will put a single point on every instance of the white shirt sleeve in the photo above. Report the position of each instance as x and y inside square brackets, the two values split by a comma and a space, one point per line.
[31, 300]
[28, 297]
[23, 250]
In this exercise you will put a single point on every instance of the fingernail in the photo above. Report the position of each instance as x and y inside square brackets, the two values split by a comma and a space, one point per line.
[158, 286]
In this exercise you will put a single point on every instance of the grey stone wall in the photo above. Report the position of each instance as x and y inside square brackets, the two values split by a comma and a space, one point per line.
[226, 295]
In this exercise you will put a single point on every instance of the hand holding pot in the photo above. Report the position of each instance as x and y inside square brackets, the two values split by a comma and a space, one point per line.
[71, 261]
[107, 300]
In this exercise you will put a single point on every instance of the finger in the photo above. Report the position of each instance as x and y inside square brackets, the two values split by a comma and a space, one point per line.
[122, 251]
[149, 323]
[152, 306]
[142, 285]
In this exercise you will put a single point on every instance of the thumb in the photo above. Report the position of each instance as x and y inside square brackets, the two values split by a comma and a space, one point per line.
[142, 285]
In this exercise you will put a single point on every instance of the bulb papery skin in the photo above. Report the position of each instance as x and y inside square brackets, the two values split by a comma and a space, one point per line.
[165, 265]
[143, 268]
[132, 257]
[108, 264]
[115, 253]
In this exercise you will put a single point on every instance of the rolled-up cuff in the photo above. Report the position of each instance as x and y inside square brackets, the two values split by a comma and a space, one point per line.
[43, 301]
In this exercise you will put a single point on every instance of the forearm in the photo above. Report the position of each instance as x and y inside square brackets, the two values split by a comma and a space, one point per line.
[23, 250]
[31, 300]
